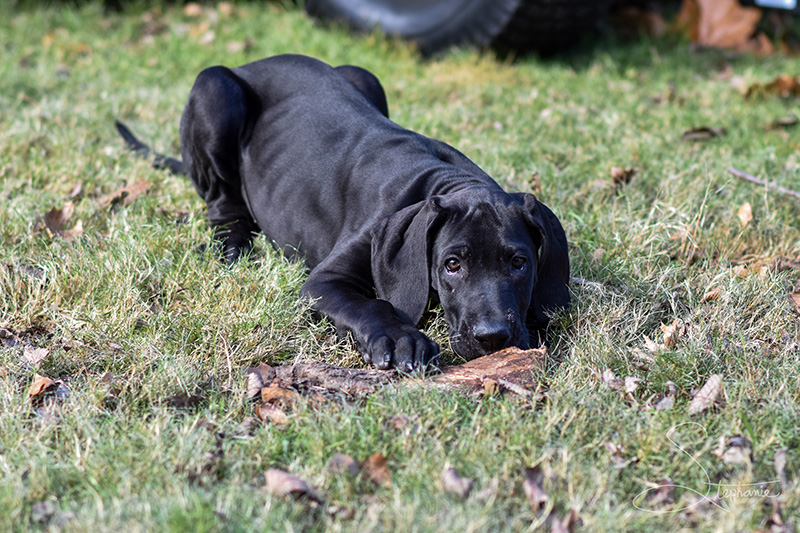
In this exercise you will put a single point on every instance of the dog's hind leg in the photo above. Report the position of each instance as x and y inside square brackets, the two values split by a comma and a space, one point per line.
[368, 84]
[215, 123]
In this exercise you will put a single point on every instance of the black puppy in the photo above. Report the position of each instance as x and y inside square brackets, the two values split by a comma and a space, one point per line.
[306, 153]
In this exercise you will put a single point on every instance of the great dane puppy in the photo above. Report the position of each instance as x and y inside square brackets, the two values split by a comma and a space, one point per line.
[387, 220]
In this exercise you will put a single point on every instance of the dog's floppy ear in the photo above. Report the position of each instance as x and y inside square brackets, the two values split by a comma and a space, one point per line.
[550, 292]
[401, 256]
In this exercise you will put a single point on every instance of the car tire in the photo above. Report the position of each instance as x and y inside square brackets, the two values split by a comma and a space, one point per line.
[508, 25]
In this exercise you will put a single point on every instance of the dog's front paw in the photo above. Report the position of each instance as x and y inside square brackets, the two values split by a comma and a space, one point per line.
[403, 348]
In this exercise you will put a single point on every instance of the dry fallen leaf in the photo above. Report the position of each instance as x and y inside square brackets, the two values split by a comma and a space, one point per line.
[455, 484]
[566, 524]
[225, 8]
[612, 381]
[622, 176]
[258, 378]
[668, 400]
[34, 356]
[125, 195]
[342, 463]
[192, 9]
[745, 214]
[707, 395]
[280, 483]
[702, 133]
[400, 421]
[376, 469]
[40, 386]
[651, 345]
[631, 384]
[780, 467]
[272, 413]
[734, 451]
[723, 24]
[532, 485]
[712, 295]
[673, 333]
[794, 298]
[254, 385]
[56, 219]
[784, 123]
[617, 457]
[785, 86]
[247, 428]
[277, 394]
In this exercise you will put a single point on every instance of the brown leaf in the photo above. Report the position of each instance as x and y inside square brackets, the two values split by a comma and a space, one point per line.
[532, 485]
[707, 395]
[668, 400]
[280, 483]
[192, 9]
[785, 86]
[125, 195]
[631, 384]
[566, 524]
[399, 421]
[612, 381]
[254, 385]
[794, 298]
[734, 451]
[270, 412]
[455, 484]
[56, 219]
[225, 8]
[258, 378]
[673, 333]
[723, 24]
[651, 345]
[745, 214]
[508, 366]
[376, 469]
[712, 295]
[40, 386]
[784, 123]
[342, 463]
[617, 457]
[276, 393]
[34, 356]
[622, 176]
[702, 133]
[780, 468]
[247, 428]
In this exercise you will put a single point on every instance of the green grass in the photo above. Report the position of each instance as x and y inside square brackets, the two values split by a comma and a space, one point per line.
[135, 297]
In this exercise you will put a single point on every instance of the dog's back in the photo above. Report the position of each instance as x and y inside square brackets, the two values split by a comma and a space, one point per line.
[334, 159]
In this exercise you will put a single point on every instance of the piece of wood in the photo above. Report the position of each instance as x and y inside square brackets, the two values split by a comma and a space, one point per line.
[511, 369]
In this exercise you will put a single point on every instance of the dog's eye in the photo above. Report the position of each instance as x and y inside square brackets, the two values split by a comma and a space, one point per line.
[452, 265]
[518, 262]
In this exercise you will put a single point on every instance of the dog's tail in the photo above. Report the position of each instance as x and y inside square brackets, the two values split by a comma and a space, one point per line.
[160, 161]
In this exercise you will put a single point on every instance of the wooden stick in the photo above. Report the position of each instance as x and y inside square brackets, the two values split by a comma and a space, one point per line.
[748, 177]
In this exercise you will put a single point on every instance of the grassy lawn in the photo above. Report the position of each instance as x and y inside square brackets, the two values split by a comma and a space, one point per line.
[150, 334]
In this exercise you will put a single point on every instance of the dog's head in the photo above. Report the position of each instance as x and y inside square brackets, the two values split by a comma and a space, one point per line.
[496, 262]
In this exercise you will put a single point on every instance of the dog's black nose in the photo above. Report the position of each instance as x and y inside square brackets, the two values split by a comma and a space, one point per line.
[492, 337]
